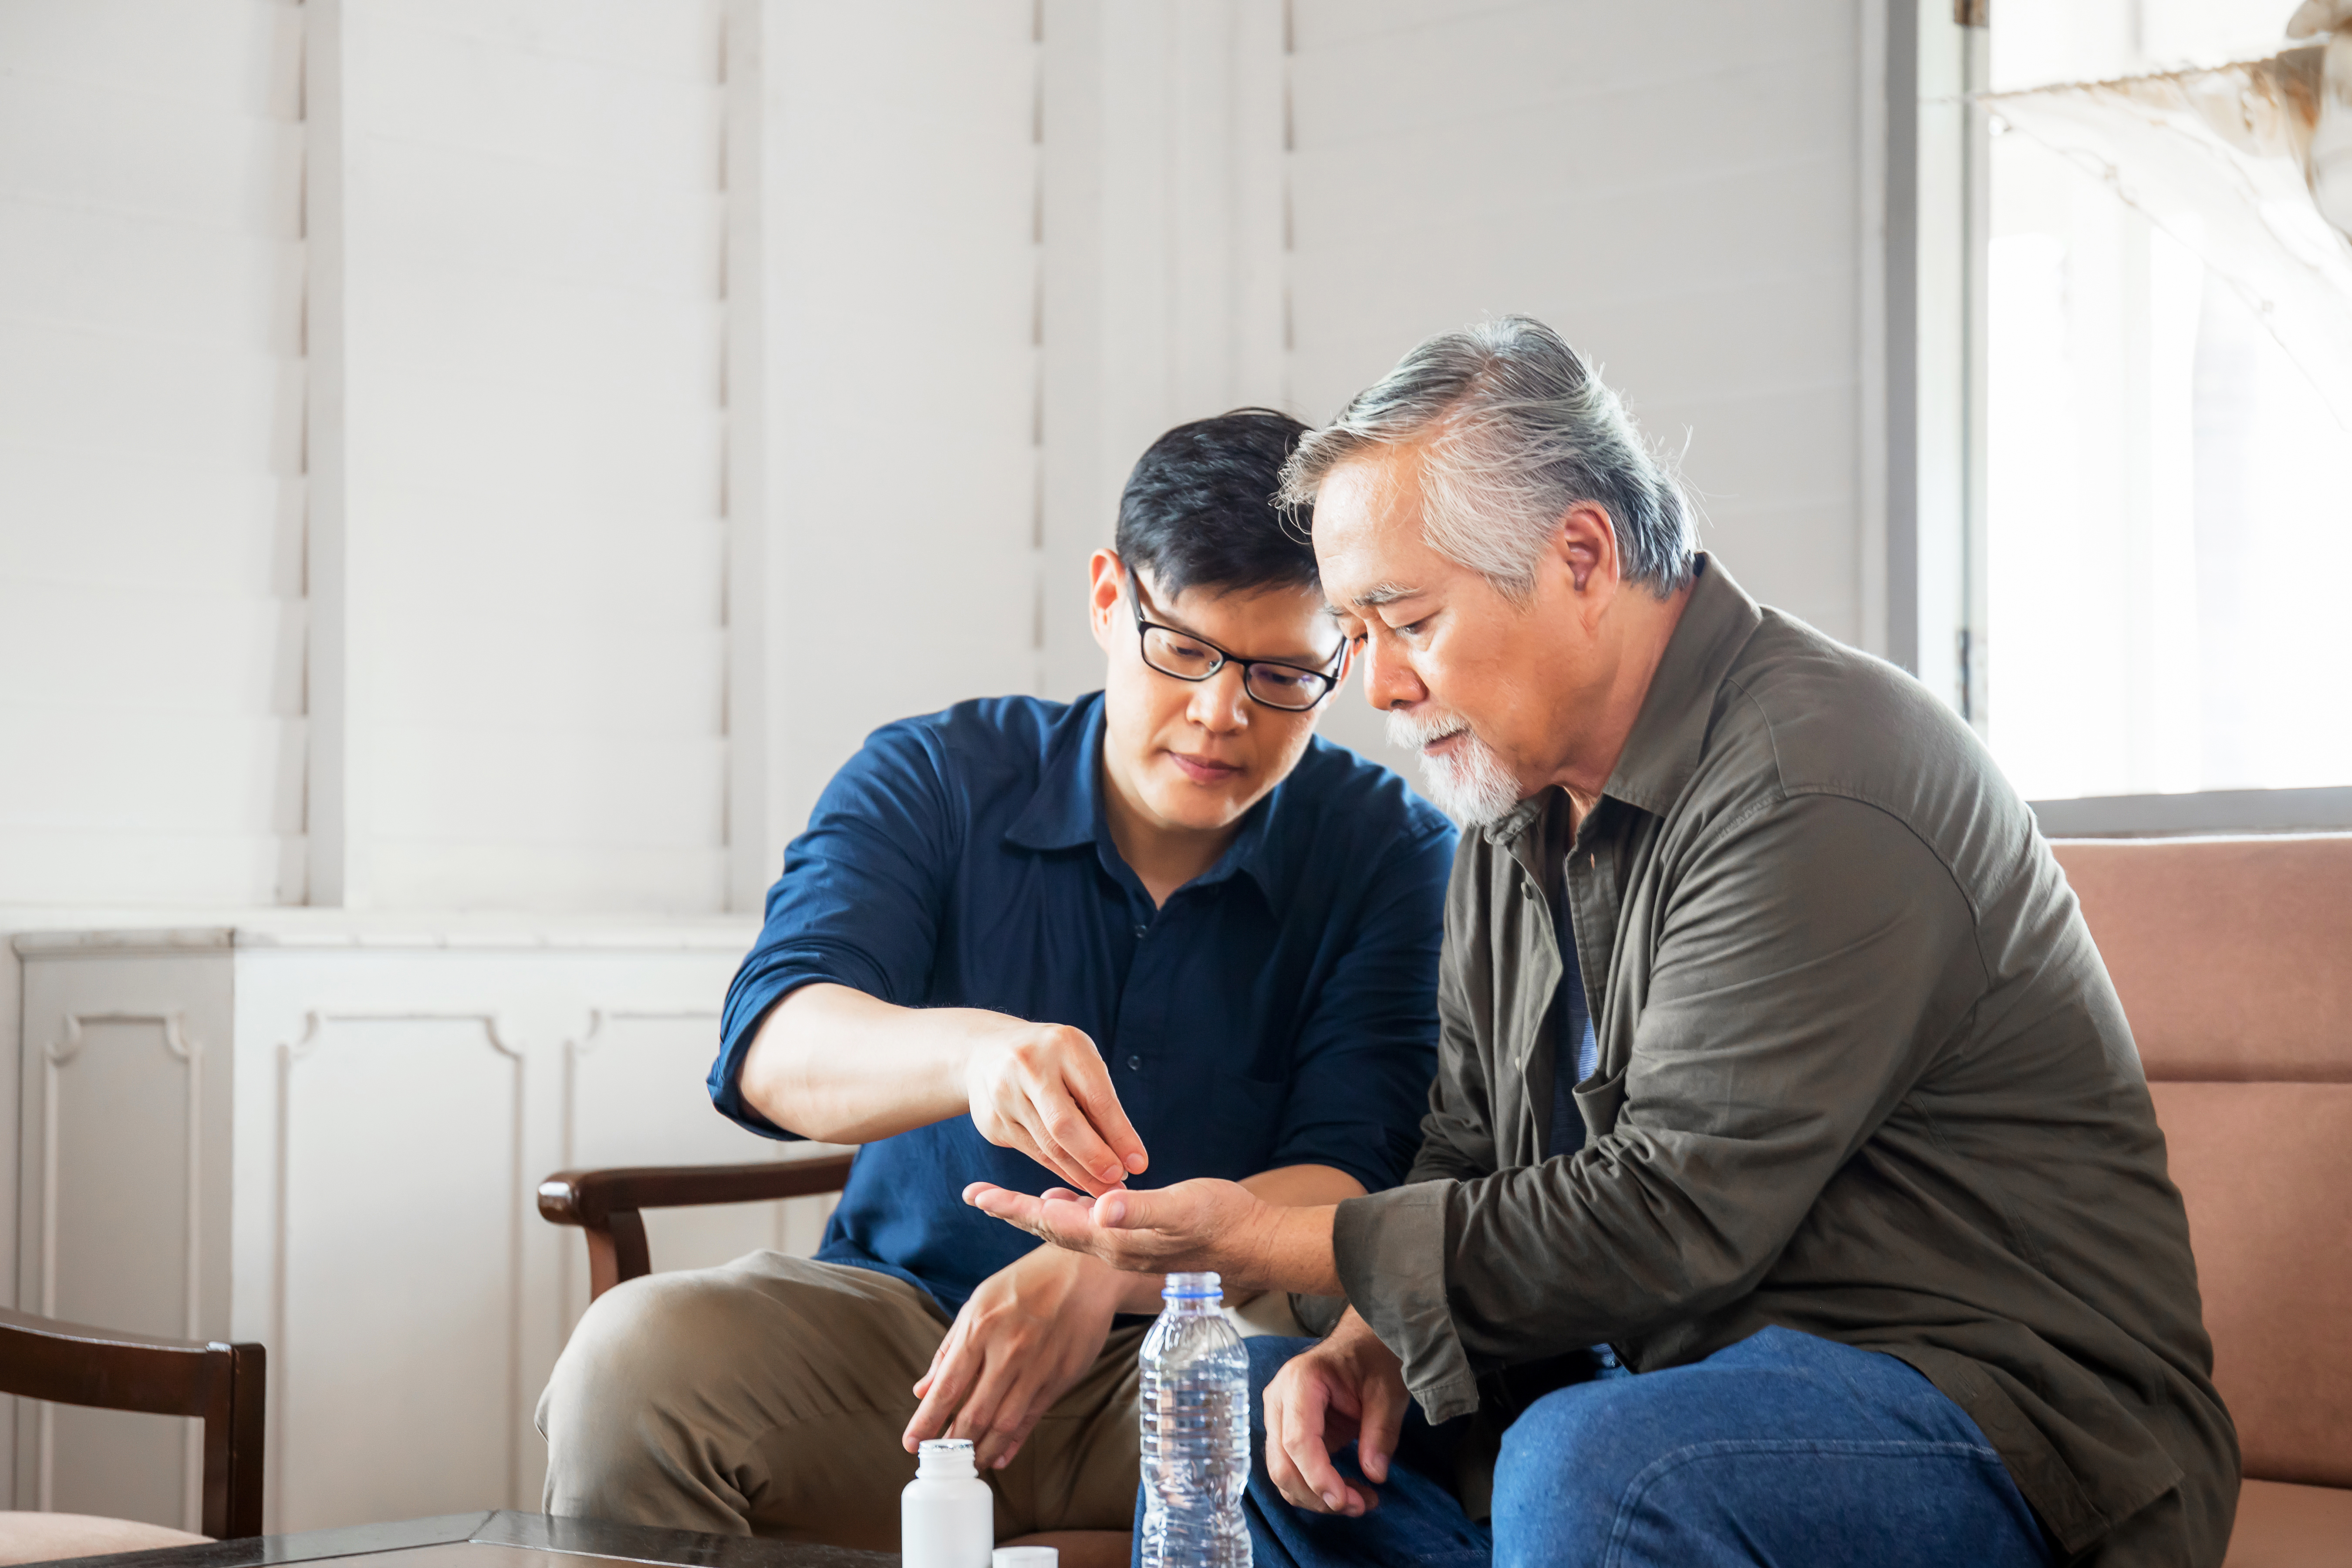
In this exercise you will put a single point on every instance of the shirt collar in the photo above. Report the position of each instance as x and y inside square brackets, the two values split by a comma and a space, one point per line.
[1066, 811]
[1662, 749]
[1062, 813]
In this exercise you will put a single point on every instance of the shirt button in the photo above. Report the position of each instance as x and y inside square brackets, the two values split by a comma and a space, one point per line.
[1135, 1064]
[1140, 931]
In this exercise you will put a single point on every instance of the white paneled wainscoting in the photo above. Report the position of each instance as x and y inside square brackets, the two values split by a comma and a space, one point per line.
[325, 1136]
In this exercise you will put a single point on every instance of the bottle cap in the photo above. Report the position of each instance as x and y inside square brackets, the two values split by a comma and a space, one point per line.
[1025, 1557]
[1190, 1287]
[944, 1458]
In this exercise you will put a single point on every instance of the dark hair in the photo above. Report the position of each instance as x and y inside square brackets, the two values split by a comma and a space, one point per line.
[1198, 510]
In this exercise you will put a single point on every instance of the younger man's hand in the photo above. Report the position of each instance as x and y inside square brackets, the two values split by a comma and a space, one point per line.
[1042, 1089]
[1023, 1339]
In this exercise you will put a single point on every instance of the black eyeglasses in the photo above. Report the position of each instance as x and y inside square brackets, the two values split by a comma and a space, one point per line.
[1293, 688]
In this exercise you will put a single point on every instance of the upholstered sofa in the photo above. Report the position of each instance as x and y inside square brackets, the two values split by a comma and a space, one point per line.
[2234, 957]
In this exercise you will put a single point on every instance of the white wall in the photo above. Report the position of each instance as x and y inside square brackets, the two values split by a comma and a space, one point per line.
[1163, 265]
[151, 733]
[1265, 203]
[901, 276]
[533, 225]
[1672, 186]
[690, 387]
[486, 373]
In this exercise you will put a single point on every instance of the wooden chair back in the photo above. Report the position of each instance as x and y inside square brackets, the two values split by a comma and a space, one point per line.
[221, 1384]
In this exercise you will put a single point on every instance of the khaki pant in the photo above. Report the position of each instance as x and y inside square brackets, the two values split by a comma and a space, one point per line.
[767, 1398]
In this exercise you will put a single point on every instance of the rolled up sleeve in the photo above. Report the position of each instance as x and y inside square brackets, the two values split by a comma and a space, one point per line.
[858, 903]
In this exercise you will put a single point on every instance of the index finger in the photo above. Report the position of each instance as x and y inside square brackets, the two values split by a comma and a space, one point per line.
[947, 1381]
[1063, 1129]
[1100, 1102]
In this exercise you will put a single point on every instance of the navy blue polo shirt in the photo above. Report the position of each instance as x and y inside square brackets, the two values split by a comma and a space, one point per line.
[1280, 1009]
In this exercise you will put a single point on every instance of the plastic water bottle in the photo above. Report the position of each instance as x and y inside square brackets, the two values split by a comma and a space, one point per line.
[947, 1515]
[1195, 1431]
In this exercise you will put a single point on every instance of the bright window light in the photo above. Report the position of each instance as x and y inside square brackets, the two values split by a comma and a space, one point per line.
[2169, 502]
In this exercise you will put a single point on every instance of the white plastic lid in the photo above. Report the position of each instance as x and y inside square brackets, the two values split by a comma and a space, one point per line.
[944, 1458]
[1190, 1287]
[1025, 1557]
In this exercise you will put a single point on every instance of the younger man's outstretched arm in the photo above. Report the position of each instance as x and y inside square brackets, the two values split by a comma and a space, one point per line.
[834, 1064]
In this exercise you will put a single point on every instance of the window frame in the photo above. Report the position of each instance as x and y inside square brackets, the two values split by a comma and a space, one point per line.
[1931, 321]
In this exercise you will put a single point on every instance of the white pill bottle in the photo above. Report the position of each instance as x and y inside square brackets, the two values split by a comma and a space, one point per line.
[947, 1515]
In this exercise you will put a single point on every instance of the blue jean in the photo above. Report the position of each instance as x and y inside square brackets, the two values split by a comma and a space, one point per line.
[1783, 1450]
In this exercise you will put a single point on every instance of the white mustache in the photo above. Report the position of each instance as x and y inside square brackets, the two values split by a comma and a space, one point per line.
[1414, 730]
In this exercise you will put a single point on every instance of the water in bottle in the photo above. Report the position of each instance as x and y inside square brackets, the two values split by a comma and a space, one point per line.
[1195, 1431]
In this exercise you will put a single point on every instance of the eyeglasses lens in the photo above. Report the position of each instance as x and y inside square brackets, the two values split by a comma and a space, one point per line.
[1172, 653]
[1278, 688]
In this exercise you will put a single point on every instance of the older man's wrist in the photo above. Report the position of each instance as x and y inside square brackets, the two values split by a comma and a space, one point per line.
[1291, 1250]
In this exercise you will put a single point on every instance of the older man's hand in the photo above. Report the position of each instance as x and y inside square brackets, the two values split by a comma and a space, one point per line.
[1195, 1225]
[1349, 1388]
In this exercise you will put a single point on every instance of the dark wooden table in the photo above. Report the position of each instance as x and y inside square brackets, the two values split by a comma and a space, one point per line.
[499, 1540]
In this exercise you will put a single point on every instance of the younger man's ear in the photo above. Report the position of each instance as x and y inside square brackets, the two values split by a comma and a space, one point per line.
[1103, 587]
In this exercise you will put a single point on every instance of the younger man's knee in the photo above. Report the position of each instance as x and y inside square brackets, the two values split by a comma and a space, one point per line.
[640, 1346]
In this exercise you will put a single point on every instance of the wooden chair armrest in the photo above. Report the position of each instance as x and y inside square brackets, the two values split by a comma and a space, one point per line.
[587, 1197]
[605, 1204]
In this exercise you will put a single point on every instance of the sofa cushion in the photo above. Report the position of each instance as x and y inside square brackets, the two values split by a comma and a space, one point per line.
[2285, 1526]
[40, 1537]
[2265, 1170]
[2231, 955]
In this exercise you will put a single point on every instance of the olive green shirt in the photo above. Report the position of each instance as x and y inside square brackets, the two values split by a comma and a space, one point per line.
[1863, 1075]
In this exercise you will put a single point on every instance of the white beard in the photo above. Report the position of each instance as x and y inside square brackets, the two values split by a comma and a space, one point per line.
[1469, 784]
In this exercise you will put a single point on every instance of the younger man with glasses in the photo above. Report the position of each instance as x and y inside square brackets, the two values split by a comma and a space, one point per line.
[1159, 932]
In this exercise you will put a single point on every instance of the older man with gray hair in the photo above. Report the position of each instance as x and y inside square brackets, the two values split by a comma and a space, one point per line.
[1790, 1192]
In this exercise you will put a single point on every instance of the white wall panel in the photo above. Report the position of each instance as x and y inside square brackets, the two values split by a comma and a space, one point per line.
[228, 59]
[149, 525]
[70, 144]
[118, 1257]
[609, 567]
[530, 346]
[498, 779]
[137, 1064]
[96, 269]
[151, 451]
[675, 42]
[902, 280]
[427, 874]
[443, 1104]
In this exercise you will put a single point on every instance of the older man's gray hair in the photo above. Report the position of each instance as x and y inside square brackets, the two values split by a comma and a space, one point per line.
[1513, 431]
